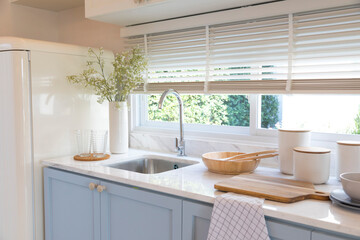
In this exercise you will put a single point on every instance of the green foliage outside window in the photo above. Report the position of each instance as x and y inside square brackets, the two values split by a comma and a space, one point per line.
[229, 110]
[202, 109]
[269, 111]
[356, 129]
[238, 110]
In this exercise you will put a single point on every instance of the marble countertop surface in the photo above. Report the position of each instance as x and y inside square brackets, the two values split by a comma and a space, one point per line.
[195, 182]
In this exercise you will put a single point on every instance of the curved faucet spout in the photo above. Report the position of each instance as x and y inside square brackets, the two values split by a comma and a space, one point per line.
[180, 145]
[165, 93]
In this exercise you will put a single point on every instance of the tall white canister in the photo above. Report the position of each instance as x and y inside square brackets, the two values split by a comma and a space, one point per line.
[288, 139]
[348, 156]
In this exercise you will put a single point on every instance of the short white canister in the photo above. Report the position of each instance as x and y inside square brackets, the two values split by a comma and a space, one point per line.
[312, 164]
[288, 139]
[348, 156]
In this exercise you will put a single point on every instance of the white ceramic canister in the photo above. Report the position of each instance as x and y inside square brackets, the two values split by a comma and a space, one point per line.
[348, 156]
[312, 164]
[288, 139]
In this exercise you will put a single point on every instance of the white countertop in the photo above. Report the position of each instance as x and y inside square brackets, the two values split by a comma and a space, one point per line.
[195, 182]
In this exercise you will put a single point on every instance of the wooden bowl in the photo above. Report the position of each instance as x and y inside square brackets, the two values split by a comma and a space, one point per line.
[213, 162]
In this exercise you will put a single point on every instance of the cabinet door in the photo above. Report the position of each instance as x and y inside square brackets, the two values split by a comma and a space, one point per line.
[72, 210]
[317, 235]
[196, 220]
[129, 213]
[284, 231]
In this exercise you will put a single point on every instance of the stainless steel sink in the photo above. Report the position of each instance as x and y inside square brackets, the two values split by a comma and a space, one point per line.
[149, 165]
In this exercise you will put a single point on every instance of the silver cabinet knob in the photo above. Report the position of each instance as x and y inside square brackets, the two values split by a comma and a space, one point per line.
[100, 188]
[92, 186]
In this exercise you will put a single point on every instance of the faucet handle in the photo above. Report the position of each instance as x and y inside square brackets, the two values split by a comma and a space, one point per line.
[180, 147]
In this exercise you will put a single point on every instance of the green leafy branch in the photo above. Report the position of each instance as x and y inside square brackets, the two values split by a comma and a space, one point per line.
[126, 75]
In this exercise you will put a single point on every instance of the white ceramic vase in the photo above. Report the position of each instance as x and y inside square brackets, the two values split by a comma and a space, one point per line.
[118, 127]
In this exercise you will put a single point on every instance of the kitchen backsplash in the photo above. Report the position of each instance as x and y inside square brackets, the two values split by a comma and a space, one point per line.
[196, 147]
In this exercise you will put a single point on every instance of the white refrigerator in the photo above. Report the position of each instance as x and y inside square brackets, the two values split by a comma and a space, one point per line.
[39, 111]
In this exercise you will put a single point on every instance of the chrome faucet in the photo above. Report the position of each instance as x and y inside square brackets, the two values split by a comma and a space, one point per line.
[180, 144]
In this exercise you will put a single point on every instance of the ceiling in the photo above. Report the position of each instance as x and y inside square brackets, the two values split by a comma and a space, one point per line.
[51, 5]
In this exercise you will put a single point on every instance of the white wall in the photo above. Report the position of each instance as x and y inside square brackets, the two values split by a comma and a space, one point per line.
[69, 26]
[20, 21]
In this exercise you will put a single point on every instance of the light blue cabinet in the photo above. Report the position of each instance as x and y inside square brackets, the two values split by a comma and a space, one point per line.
[71, 209]
[196, 220]
[132, 214]
[75, 212]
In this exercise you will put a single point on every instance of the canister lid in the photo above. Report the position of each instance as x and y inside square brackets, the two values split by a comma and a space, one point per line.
[293, 130]
[349, 143]
[313, 150]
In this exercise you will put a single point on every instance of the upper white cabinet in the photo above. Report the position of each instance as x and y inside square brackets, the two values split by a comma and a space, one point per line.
[51, 5]
[130, 12]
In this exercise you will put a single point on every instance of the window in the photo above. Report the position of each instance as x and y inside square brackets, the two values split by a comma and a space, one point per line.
[320, 113]
[338, 114]
[293, 60]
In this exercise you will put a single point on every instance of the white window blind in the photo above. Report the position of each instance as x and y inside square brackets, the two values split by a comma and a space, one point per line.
[327, 51]
[249, 56]
[312, 52]
[176, 59]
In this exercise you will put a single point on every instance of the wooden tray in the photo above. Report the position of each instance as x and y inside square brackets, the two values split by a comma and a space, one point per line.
[91, 158]
[271, 188]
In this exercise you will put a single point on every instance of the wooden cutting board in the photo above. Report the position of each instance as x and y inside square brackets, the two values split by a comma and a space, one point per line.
[271, 188]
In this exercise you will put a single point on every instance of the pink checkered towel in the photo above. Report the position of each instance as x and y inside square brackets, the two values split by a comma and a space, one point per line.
[237, 217]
